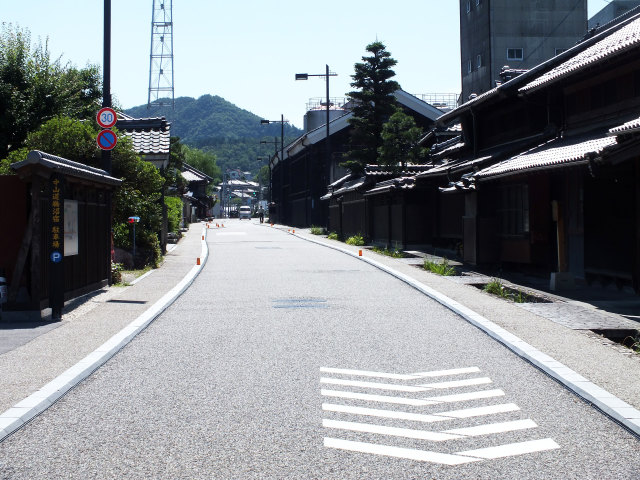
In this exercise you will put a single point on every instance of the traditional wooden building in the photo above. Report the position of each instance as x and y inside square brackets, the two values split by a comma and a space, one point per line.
[302, 178]
[548, 167]
[59, 217]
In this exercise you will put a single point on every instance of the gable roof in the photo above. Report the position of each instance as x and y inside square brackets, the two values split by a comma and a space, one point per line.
[150, 136]
[41, 161]
[615, 43]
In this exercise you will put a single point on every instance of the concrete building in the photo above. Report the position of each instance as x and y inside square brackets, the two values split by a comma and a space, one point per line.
[612, 11]
[517, 33]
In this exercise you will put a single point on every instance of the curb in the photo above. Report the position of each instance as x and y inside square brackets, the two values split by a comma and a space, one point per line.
[615, 408]
[36, 403]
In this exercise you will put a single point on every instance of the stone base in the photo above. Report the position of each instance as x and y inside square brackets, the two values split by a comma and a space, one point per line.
[562, 281]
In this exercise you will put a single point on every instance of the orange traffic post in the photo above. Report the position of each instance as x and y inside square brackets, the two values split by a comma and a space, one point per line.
[198, 261]
[203, 237]
[294, 230]
[359, 253]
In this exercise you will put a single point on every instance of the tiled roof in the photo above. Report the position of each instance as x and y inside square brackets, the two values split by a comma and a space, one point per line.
[617, 42]
[403, 183]
[38, 159]
[552, 154]
[149, 135]
[630, 127]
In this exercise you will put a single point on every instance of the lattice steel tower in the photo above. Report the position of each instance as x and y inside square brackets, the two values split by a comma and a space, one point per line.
[161, 61]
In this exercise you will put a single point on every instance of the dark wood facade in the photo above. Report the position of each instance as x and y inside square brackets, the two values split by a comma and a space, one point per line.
[87, 192]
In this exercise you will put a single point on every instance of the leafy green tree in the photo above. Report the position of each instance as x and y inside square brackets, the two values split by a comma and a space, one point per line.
[400, 136]
[203, 161]
[374, 104]
[34, 88]
[139, 193]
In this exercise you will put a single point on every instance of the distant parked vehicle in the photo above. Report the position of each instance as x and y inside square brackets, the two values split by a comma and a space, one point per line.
[244, 212]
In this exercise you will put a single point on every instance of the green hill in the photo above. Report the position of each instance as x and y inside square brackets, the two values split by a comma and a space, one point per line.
[213, 124]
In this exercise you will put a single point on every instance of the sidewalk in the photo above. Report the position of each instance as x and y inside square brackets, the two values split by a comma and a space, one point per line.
[31, 355]
[34, 353]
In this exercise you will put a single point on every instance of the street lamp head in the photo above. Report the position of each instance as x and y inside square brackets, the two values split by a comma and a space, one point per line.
[264, 122]
[302, 76]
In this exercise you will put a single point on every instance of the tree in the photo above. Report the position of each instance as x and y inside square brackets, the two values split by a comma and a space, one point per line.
[139, 193]
[374, 104]
[34, 88]
[203, 161]
[400, 136]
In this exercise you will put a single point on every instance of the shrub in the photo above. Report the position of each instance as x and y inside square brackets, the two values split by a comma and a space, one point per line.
[174, 213]
[443, 268]
[116, 272]
[356, 240]
[318, 230]
[395, 253]
[333, 236]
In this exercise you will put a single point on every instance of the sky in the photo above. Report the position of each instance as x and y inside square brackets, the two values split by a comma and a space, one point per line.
[248, 51]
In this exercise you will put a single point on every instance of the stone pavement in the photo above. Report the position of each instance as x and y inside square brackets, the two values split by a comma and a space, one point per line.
[32, 354]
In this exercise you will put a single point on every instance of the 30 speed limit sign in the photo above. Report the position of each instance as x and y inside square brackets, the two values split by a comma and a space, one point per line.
[106, 117]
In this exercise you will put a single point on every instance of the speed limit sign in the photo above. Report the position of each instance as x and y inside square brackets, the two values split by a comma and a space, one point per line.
[106, 117]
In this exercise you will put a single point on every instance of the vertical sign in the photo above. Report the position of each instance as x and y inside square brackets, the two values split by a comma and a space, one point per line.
[56, 266]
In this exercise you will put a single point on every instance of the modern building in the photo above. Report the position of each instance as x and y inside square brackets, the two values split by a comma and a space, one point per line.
[519, 34]
[613, 10]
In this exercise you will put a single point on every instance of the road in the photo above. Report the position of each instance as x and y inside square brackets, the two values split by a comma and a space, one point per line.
[286, 359]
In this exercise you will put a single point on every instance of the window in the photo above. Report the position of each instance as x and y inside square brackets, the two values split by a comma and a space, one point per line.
[478, 2]
[469, 66]
[514, 210]
[468, 6]
[515, 54]
[478, 61]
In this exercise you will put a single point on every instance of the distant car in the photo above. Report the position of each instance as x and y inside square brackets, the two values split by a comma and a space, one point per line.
[244, 212]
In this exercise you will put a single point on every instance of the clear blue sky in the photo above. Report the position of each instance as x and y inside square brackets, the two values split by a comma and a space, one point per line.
[247, 51]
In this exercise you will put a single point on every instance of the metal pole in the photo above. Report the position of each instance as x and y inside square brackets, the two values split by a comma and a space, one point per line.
[328, 137]
[282, 137]
[106, 76]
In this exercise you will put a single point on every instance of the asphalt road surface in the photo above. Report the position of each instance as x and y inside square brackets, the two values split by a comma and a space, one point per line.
[286, 359]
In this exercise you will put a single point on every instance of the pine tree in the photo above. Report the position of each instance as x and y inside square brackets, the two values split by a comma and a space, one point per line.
[400, 136]
[374, 103]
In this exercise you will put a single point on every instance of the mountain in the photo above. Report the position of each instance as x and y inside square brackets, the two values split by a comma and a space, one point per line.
[213, 124]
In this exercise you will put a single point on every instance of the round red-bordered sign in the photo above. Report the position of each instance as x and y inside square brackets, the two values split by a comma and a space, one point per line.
[106, 117]
[107, 139]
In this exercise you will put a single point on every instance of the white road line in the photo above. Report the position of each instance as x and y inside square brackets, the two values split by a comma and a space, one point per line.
[392, 431]
[443, 373]
[418, 417]
[493, 428]
[453, 434]
[463, 397]
[377, 398]
[479, 411]
[379, 386]
[420, 455]
[363, 373]
[458, 383]
[513, 449]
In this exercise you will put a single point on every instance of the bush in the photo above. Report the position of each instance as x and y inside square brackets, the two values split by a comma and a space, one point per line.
[333, 236]
[116, 272]
[389, 253]
[318, 230]
[174, 213]
[443, 268]
[355, 240]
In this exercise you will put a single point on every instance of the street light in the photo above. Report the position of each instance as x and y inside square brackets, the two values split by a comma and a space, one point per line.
[275, 145]
[282, 121]
[327, 74]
